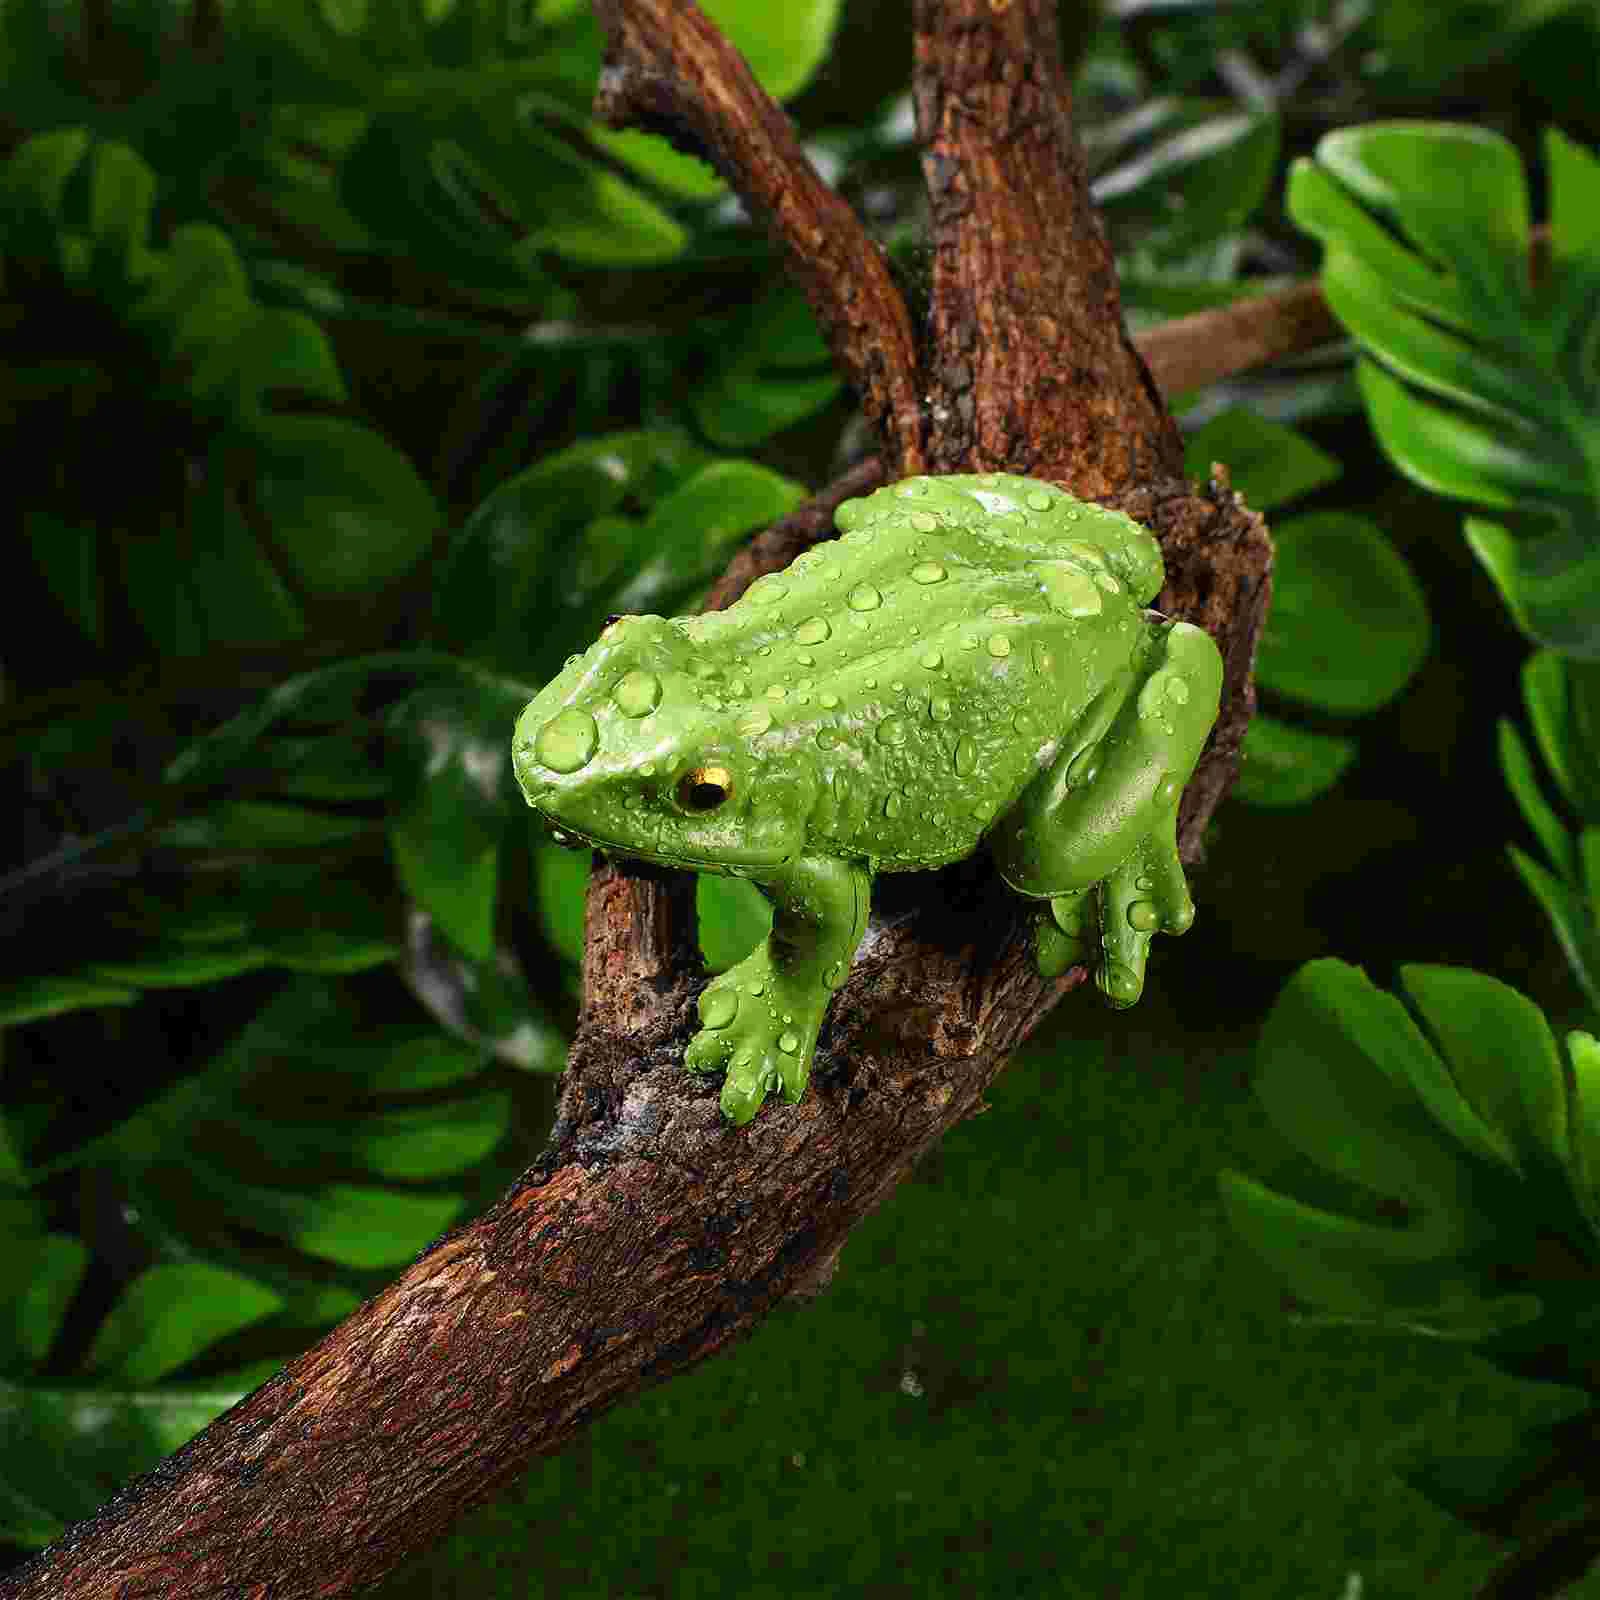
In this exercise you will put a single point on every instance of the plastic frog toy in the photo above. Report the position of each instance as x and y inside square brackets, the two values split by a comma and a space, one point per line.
[970, 661]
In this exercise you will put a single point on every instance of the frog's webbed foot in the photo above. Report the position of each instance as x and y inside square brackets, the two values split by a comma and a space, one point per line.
[762, 1028]
[1110, 925]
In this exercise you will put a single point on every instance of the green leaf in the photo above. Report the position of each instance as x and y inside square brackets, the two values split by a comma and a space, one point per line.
[1576, 928]
[692, 531]
[1478, 384]
[179, 966]
[531, 536]
[355, 1225]
[68, 555]
[772, 370]
[1364, 1273]
[1583, 1051]
[1205, 176]
[416, 1142]
[30, 999]
[1500, 1052]
[782, 45]
[1288, 766]
[456, 889]
[346, 507]
[1270, 463]
[46, 1271]
[170, 1314]
[262, 825]
[1350, 1080]
[1516, 765]
[1349, 623]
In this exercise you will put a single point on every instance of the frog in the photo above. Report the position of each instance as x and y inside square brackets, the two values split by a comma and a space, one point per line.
[971, 662]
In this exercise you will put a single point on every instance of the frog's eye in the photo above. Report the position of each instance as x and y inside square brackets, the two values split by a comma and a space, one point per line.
[616, 616]
[704, 788]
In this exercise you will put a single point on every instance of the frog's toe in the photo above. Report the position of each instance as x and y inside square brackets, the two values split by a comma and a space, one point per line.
[1121, 983]
[746, 1086]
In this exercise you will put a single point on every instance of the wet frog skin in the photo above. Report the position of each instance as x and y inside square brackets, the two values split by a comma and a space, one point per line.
[971, 660]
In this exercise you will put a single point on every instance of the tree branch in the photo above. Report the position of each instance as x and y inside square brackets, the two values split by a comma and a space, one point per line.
[650, 1234]
[669, 70]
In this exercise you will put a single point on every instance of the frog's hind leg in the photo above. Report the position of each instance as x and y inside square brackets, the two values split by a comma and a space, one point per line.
[1097, 834]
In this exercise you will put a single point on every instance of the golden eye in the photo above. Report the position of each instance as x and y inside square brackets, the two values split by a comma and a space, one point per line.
[704, 788]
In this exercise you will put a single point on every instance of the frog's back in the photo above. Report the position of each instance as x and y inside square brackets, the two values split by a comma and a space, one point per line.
[931, 659]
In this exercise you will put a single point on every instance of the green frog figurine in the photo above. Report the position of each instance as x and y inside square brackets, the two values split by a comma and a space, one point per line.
[971, 660]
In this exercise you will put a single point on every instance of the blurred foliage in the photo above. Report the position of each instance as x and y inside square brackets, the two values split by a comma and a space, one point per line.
[351, 375]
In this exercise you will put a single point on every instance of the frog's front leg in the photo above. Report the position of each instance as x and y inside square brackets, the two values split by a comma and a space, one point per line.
[1096, 832]
[761, 1017]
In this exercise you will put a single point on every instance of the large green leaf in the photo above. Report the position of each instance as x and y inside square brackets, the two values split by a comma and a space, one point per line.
[1284, 765]
[1349, 623]
[1479, 382]
[1472, 1136]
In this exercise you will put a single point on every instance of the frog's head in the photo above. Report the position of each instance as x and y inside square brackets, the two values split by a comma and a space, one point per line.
[636, 747]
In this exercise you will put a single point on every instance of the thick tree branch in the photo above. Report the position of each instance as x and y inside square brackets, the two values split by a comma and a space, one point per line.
[1033, 370]
[669, 70]
[650, 1234]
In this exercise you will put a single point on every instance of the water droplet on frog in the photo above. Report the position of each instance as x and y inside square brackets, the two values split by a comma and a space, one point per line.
[755, 722]
[1001, 613]
[1177, 690]
[966, 756]
[812, 631]
[864, 598]
[827, 739]
[1022, 722]
[924, 521]
[766, 592]
[891, 805]
[940, 708]
[1083, 767]
[776, 691]
[789, 1041]
[828, 698]
[1143, 917]
[757, 987]
[928, 572]
[567, 741]
[999, 646]
[1039, 500]
[893, 731]
[932, 660]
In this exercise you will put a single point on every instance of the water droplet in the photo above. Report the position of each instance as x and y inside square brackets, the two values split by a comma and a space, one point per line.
[827, 739]
[828, 698]
[864, 598]
[1143, 917]
[931, 659]
[1168, 791]
[637, 694]
[766, 592]
[891, 805]
[1002, 613]
[1023, 722]
[1177, 690]
[893, 731]
[776, 691]
[940, 708]
[928, 572]
[981, 810]
[1039, 500]
[1084, 767]
[567, 741]
[789, 1041]
[924, 521]
[755, 987]
[1068, 588]
[812, 631]
[999, 645]
[966, 757]
[1108, 583]
[755, 723]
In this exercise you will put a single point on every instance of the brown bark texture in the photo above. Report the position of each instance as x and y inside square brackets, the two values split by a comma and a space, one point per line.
[650, 1234]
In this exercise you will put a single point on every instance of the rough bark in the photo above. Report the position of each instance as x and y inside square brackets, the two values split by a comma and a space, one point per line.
[650, 1234]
